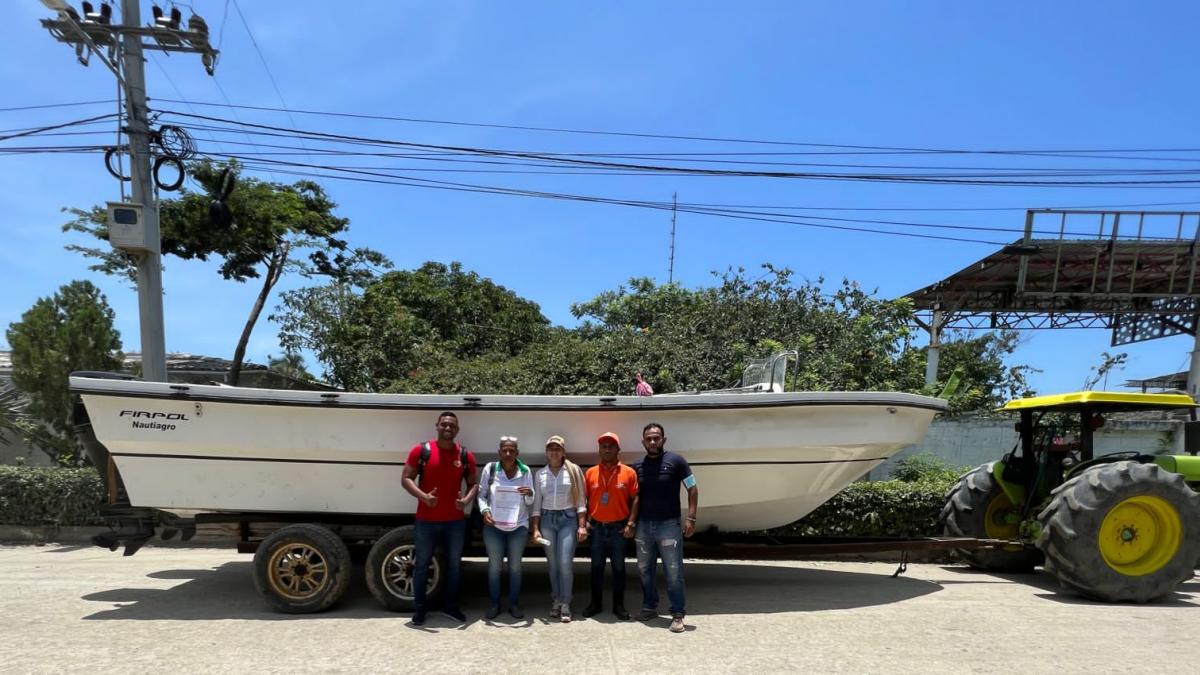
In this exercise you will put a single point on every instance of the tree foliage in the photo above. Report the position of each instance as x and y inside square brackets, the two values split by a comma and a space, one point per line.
[277, 229]
[439, 329]
[69, 331]
[406, 323]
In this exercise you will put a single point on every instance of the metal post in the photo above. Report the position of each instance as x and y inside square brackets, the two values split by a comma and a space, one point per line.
[149, 266]
[1193, 381]
[671, 260]
[935, 346]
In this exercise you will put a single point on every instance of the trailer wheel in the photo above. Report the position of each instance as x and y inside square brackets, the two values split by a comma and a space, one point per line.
[1122, 532]
[977, 507]
[302, 568]
[389, 570]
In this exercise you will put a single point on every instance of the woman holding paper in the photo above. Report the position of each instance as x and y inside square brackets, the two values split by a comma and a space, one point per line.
[504, 499]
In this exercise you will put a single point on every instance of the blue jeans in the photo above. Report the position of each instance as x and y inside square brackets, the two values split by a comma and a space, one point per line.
[608, 542]
[427, 534]
[500, 544]
[661, 539]
[559, 527]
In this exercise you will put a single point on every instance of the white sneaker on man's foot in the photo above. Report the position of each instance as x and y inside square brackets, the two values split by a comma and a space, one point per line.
[677, 624]
[565, 615]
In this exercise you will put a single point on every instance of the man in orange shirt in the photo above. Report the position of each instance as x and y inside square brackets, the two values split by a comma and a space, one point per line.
[612, 491]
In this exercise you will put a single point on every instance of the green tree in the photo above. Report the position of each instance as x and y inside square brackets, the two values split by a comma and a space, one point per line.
[18, 425]
[1108, 364]
[276, 229]
[986, 380]
[405, 323]
[69, 331]
[291, 364]
[435, 330]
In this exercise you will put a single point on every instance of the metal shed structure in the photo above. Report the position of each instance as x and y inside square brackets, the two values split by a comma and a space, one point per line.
[1136, 273]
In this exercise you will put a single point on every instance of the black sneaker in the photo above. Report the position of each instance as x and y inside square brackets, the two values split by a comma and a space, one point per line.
[493, 612]
[620, 613]
[453, 613]
[516, 612]
[591, 610]
[418, 618]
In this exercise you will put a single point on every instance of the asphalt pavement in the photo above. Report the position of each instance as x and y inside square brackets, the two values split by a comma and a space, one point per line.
[76, 607]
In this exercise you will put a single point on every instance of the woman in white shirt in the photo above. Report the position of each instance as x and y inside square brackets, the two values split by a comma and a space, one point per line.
[505, 495]
[559, 519]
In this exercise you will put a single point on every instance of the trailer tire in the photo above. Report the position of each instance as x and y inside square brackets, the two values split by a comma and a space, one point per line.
[389, 570]
[1122, 532]
[973, 508]
[302, 568]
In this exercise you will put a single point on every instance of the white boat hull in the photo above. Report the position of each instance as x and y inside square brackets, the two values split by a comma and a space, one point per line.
[760, 460]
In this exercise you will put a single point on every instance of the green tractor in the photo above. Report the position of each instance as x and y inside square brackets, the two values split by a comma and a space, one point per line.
[1122, 527]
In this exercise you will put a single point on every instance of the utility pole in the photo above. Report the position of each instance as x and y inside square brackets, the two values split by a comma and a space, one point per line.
[89, 32]
[671, 259]
[149, 264]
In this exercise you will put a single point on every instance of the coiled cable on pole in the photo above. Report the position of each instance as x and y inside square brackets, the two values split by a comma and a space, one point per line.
[181, 173]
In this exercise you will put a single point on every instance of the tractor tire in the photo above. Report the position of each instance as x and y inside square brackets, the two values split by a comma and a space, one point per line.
[389, 571]
[977, 507]
[1122, 532]
[302, 568]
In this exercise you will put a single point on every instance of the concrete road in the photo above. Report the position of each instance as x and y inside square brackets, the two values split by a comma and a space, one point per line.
[75, 608]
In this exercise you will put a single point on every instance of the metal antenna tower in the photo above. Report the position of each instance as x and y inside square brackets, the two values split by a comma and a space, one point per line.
[671, 259]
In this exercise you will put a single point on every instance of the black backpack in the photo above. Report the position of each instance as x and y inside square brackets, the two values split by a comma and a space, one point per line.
[427, 450]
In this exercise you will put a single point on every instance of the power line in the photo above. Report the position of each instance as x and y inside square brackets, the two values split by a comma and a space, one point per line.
[263, 59]
[56, 105]
[63, 125]
[375, 177]
[884, 149]
[933, 179]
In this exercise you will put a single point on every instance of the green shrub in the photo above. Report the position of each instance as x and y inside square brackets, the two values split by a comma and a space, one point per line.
[877, 509]
[926, 466]
[49, 496]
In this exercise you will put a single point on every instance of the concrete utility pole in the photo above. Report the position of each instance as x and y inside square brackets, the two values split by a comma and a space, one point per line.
[149, 265]
[935, 348]
[89, 32]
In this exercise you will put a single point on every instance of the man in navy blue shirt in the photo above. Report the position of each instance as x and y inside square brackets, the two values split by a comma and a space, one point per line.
[659, 531]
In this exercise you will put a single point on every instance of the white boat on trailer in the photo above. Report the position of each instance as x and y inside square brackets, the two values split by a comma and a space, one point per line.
[174, 455]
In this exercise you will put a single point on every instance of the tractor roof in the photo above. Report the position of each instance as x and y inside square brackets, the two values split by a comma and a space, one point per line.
[1101, 401]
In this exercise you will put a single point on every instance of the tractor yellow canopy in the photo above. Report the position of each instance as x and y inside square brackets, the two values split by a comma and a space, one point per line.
[1101, 401]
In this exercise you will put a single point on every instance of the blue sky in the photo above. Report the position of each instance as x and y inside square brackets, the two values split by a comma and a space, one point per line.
[1063, 75]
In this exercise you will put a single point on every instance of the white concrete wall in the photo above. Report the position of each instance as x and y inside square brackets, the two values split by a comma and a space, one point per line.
[971, 441]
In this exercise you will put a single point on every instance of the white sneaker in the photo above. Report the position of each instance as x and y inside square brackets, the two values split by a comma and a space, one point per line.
[565, 615]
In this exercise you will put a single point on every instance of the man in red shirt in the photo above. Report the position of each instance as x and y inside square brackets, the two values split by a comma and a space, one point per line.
[441, 511]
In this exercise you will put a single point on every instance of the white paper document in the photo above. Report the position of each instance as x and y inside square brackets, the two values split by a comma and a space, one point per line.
[506, 505]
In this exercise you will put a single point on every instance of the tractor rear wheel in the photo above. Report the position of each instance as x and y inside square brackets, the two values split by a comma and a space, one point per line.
[977, 507]
[1122, 532]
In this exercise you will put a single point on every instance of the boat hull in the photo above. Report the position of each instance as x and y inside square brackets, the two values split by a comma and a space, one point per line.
[761, 460]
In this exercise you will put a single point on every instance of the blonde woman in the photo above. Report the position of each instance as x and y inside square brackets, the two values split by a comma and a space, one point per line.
[559, 520]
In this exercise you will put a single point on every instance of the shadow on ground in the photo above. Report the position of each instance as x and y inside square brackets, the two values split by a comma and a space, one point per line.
[228, 592]
[1051, 590]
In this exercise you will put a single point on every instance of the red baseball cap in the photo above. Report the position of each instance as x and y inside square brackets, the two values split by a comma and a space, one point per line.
[610, 436]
